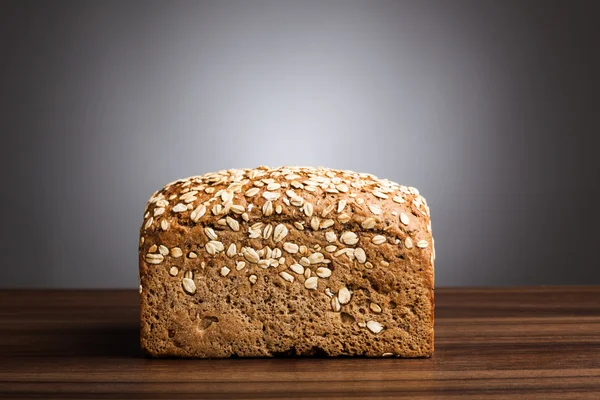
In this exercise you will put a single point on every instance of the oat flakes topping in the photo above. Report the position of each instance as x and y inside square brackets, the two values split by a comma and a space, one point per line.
[349, 238]
[344, 295]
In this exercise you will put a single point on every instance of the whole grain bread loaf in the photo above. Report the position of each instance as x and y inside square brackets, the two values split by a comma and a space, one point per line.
[286, 261]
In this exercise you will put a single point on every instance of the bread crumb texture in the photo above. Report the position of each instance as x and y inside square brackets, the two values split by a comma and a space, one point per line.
[286, 261]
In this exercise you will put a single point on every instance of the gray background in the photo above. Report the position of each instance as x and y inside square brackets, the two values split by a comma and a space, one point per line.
[489, 108]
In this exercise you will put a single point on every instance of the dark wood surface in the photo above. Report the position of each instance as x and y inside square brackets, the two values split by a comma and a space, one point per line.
[490, 343]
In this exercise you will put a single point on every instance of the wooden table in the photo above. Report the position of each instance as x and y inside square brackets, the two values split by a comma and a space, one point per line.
[490, 343]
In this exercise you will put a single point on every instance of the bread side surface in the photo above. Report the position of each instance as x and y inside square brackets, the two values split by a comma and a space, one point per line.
[286, 261]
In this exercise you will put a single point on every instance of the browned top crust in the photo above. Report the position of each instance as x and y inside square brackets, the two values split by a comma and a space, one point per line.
[313, 198]
[309, 197]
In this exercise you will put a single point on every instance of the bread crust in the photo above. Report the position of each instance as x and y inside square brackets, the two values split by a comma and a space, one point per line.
[286, 261]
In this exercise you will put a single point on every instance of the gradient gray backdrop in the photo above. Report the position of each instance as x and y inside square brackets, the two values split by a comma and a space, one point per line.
[489, 108]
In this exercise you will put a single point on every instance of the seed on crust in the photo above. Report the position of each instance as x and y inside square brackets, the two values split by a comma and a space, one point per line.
[308, 209]
[311, 283]
[210, 233]
[173, 271]
[159, 211]
[225, 271]
[149, 223]
[213, 247]
[188, 194]
[198, 213]
[162, 249]
[252, 279]
[379, 194]
[408, 243]
[217, 209]
[251, 255]
[330, 236]
[360, 255]
[342, 187]
[268, 231]
[297, 201]
[176, 252]
[349, 238]
[344, 295]
[404, 218]
[323, 272]
[304, 261]
[297, 268]
[344, 218]
[316, 258]
[314, 223]
[286, 276]
[190, 199]
[153, 249]
[343, 251]
[231, 250]
[326, 224]
[422, 244]
[273, 186]
[375, 209]
[376, 308]
[398, 199]
[267, 208]
[191, 254]
[252, 192]
[188, 285]
[378, 239]
[237, 209]
[164, 224]
[154, 258]
[327, 210]
[254, 233]
[233, 224]
[291, 248]
[278, 209]
[374, 326]
[280, 233]
[180, 207]
[341, 205]
[239, 265]
[272, 196]
[335, 304]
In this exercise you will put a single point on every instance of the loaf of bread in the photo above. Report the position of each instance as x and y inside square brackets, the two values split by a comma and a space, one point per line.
[286, 261]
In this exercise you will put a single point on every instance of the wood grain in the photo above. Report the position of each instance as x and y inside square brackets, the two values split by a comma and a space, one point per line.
[490, 343]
